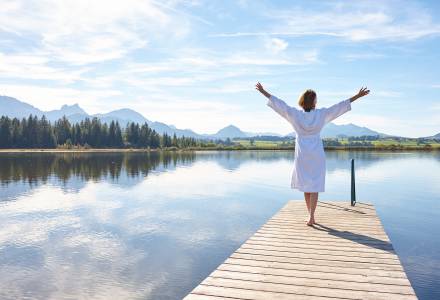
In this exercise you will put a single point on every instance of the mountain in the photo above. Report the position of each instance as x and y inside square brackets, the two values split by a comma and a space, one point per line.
[123, 116]
[161, 128]
[435, 136]
[230, 131]
[65, 110]
[17, 109]
[332, 130]
[77, 118]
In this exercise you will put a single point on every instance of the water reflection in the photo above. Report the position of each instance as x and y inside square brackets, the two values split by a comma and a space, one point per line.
[153, 225]
[38, 167]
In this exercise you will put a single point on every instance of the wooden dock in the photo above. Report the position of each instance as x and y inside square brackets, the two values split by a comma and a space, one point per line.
[347, 255]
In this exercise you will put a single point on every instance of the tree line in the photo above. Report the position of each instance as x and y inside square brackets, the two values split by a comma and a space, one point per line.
[34, 132]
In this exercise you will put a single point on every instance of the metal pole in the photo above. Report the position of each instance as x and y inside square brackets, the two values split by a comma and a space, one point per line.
[353, 190]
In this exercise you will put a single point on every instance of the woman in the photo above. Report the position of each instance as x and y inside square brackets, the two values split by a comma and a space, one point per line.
[309, 164]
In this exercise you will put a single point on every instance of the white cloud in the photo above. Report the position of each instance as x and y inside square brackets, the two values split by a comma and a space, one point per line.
[82, 32]
[355, 21]
[36, 66]
[297, 58]
[276, 45]
[362, 56]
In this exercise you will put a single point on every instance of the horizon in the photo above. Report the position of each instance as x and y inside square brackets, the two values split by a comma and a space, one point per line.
[292, 132]
[194, 64]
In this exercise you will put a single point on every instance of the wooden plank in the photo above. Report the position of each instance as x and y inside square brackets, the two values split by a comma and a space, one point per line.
[315, 273]
[318, 266]
[342, 284]
[318, 245]
[268, 256]
[347, 255]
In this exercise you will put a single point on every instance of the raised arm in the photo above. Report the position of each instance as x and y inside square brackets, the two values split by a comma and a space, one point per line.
[277, 105]
[342, 107]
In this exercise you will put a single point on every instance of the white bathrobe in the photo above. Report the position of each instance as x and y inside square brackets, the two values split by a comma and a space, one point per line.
[309, 163]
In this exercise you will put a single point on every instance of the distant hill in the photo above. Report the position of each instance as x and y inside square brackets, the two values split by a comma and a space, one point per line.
[435, 136]
[230, 131]
[65, 110]
[332, 130]
[124, 116]
[17, 109]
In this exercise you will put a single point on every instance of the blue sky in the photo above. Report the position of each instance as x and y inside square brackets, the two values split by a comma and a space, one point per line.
[194, 64]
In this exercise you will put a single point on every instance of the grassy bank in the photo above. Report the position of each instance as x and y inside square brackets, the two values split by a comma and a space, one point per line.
[391, 147]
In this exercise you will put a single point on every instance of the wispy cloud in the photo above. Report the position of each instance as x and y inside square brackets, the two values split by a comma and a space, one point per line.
[362, 55]
[83, 32]
[37, 66]
[355, 21]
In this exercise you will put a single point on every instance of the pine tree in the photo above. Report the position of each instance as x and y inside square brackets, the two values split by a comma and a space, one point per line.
[62, 130]
[118, 136]
[5, 133]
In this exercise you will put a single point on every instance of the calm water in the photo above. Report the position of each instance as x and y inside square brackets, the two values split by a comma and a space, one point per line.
[152, 226]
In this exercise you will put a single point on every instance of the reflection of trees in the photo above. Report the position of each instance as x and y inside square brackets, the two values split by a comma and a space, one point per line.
[39, 167]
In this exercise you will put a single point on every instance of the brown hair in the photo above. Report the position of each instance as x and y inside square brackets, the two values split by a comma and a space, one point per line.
[307, 100]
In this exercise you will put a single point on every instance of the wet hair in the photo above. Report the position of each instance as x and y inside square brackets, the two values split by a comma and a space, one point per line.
[307, 100]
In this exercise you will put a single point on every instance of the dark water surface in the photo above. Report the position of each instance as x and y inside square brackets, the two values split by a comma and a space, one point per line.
[152, 226]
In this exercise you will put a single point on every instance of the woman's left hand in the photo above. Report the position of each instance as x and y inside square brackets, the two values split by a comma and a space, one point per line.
[260, 88]
[363, 92]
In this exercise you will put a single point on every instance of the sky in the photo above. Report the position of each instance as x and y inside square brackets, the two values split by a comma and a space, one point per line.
[194, 64]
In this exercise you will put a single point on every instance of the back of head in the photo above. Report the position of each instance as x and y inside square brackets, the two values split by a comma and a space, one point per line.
[307, 100]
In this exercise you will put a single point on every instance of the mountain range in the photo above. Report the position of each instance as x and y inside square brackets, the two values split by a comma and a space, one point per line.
[15, 108]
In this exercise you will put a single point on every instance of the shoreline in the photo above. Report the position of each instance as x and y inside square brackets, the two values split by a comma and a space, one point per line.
[135, 150]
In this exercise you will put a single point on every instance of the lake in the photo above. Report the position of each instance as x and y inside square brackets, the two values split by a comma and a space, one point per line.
[153, 225]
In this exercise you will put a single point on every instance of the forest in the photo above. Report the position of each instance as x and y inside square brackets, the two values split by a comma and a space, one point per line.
[34, 132]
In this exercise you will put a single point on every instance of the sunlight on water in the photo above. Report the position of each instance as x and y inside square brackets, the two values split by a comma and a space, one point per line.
[152, 226]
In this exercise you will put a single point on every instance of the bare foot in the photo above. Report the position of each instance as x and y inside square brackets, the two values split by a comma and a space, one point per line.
[311, 222]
